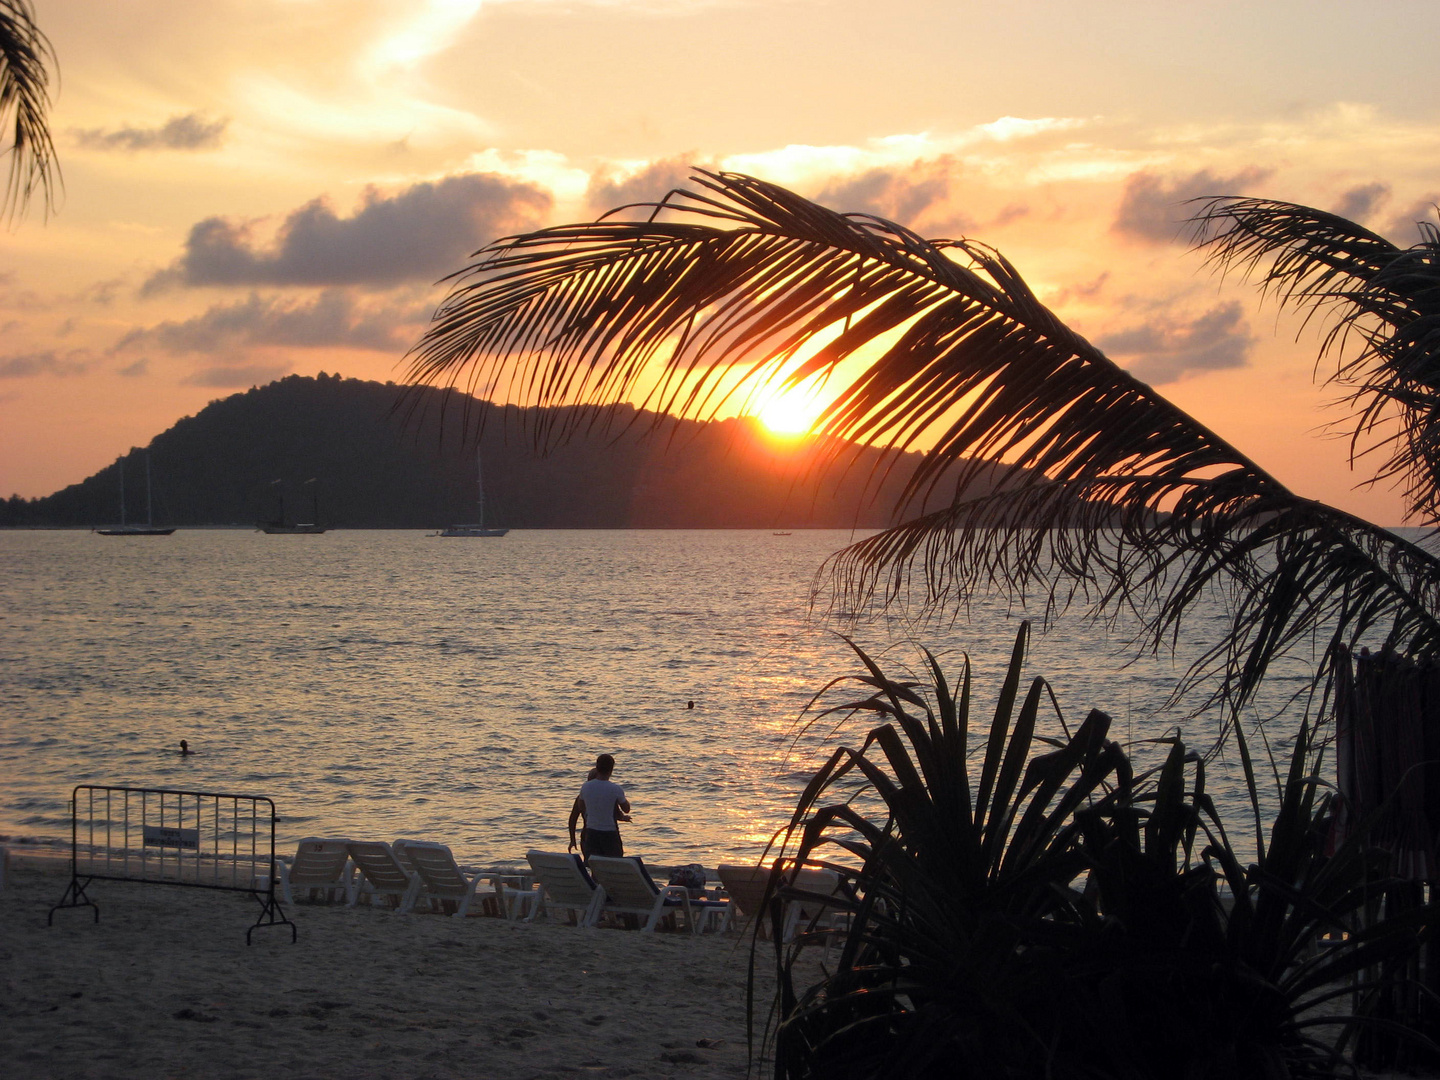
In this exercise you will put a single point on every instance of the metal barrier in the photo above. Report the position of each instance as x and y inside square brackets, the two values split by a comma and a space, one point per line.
[200, 839]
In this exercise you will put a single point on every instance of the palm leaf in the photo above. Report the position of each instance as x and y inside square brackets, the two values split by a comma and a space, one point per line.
[1385, 332]
[1109, 495]
[24, 107]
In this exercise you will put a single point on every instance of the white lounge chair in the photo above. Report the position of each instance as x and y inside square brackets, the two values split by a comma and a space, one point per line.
[320, 866]
[804, 913]
[630, 890]
[565, 885]
[382, 874]
[441, 877]
[746, 888]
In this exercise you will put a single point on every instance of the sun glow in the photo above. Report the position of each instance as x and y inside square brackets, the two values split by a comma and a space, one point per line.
[790, 410]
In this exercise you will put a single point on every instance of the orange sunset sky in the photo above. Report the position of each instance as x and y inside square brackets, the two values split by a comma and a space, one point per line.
[262, 187]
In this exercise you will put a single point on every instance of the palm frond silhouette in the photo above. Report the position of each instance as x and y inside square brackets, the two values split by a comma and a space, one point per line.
[24, 108]
[1112, 497]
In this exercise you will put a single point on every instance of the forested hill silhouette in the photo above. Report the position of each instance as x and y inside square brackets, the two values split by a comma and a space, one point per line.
[375, 468]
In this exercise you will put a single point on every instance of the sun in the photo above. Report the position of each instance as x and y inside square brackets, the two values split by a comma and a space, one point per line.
[792, 411]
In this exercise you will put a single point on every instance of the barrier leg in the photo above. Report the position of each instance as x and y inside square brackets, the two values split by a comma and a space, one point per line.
[271, 914]
[74, 897]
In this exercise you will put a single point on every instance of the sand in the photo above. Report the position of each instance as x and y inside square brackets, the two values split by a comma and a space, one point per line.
[164, 986]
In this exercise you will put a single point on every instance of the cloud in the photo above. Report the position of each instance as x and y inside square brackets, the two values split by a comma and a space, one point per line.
[1404, 227]
[1359, 203]
[1154, 208]
[25, 365]
[903, 194]
[189, 132]
[418, 234]
[612, 187]
[1010, 213]
[102, 292]
[225, 376]
[331, 319]
[134, 371]
[1087, 290]
[1166, 349]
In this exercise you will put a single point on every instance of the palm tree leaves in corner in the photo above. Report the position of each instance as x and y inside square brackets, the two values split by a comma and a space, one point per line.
[1056, 915]
[1112, 496]
[24, 105]
[1384, 297]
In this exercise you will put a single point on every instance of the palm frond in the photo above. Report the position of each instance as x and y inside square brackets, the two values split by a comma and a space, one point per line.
[1109, 494]
[1384, 301]
[24, 106]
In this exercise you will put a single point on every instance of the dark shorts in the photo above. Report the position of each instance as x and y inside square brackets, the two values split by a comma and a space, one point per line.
[601, 842]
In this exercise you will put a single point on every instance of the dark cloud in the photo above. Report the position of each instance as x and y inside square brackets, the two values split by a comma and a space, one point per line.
[609, 191]
[48, 362]
[1013, 212]
[1086, 290]
[418, 234]
[103, 292]
[226, 376]
[1359, 203]
[189, 132]
[331, 319]
[134, 371]
[1404, 227]
[1154, 207]
[1165, 349]
[903, 195]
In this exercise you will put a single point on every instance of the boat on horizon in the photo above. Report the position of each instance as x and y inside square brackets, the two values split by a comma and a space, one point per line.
[279, 527]
[149, 528]
[480, 528]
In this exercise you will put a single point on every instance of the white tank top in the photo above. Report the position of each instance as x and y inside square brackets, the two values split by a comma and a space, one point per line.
[600, 798]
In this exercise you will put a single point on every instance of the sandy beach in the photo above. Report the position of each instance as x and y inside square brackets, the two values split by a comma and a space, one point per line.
[164, 986]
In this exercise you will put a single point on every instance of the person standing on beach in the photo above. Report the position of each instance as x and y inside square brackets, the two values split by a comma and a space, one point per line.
[603, 804]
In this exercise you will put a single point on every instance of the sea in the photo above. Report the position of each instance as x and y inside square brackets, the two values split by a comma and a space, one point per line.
[384, 684]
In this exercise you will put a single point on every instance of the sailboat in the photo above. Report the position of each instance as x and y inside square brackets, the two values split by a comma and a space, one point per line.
[278, 527]
[149, 528]
[480, 528]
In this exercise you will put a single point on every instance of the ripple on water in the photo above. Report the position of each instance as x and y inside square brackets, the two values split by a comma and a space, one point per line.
[375, 687]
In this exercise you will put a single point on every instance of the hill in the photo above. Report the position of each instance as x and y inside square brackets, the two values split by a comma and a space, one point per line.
[374, 467]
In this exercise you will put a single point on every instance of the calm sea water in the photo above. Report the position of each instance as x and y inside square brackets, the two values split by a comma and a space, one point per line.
[384, 684]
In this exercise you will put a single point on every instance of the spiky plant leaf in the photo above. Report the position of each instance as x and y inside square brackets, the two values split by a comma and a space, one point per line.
[952, 886]
[968, 959]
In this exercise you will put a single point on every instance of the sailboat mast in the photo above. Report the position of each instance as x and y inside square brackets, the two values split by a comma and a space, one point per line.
[149, 508]
[122, 491]
[480, 486]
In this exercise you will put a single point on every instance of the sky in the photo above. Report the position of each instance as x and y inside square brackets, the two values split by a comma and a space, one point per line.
[254, 188]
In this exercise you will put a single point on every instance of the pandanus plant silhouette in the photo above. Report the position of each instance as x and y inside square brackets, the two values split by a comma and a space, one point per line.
[1113, 498]
[1026, 905]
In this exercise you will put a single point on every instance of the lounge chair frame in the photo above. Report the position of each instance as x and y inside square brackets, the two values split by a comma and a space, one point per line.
[630, 890]
[564, 885]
